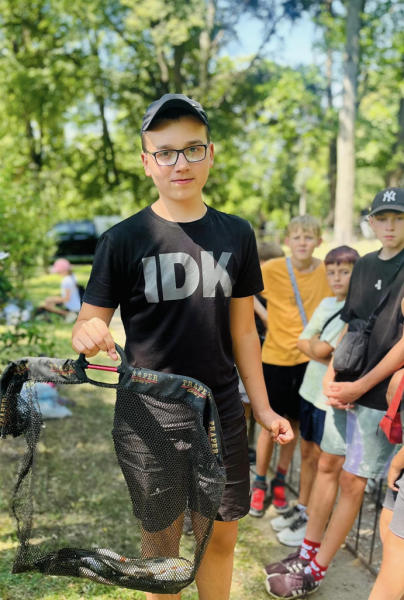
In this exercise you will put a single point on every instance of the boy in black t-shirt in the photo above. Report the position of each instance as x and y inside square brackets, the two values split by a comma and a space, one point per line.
[354, 449]
[184, 276]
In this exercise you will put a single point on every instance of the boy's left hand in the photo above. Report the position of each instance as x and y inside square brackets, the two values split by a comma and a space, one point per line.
[278, 427]
[343, 393]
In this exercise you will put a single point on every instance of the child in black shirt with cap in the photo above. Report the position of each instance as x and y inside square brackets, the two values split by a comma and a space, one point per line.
[184, 276]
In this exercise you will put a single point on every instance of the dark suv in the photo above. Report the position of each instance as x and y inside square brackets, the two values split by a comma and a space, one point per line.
[76, 240]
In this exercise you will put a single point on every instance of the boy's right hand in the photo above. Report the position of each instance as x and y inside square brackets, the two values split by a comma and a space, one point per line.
[92, 337]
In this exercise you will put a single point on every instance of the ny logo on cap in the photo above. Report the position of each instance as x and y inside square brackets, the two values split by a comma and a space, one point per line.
[389, 196]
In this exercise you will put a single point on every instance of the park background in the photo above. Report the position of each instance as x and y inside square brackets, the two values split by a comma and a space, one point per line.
[306, 104]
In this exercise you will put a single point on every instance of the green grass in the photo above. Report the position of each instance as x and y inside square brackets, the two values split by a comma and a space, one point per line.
[88, 507]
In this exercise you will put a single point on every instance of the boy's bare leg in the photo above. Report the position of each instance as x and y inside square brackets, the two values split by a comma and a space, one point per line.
[310, 453]
[286, 452]
[51, 305]
[214, 575]
[385, 519]
[323, 495]
[343, 517]
[390, 581]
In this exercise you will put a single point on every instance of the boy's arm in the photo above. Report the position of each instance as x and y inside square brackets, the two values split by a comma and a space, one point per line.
[91, 334]
[320, 348]
[261, 311]
[247, 354]
[329, 381]
[305, 347]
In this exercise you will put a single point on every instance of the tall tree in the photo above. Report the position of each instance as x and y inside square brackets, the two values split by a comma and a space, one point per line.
[344, 208]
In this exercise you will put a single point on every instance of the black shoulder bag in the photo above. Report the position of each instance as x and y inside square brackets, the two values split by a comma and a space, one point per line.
[350, 354]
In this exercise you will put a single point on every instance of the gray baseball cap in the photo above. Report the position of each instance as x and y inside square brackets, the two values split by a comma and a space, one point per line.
[390, 199]
[173, 101]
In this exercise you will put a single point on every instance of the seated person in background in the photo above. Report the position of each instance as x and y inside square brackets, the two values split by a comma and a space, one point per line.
[68, 303]
[318, 341]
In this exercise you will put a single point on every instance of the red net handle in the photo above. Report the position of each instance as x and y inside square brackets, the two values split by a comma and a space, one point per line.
[102, 368]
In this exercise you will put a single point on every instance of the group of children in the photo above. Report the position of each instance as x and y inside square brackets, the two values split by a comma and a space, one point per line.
[341, 443]
[185, 277]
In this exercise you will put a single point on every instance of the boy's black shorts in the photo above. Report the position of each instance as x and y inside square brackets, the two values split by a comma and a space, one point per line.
[312, 420]
[283, 385]
[158, 500]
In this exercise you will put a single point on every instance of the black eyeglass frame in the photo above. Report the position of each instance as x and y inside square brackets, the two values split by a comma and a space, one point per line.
[191, 162]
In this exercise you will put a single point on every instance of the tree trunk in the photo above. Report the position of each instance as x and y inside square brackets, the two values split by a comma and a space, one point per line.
[332, 146]
[205, 40]
[394, 178]
[344, 206]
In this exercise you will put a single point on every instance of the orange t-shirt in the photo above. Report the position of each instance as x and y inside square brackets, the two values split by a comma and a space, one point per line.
[284, 321]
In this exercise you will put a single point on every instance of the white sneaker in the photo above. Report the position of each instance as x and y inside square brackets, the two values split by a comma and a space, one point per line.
[295, 533]
[286, 519]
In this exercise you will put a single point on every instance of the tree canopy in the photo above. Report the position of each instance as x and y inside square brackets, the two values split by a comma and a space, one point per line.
[76, 77]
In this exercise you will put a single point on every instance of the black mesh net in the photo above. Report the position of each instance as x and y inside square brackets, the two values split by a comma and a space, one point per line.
[103, 495]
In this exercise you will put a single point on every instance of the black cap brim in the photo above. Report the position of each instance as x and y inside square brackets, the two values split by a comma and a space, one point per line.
[379, 209]
[175, 103]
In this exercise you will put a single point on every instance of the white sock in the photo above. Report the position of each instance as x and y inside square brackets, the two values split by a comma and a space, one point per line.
[302, 509]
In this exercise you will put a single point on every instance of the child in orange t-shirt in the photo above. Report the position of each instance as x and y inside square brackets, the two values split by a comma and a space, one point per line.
[283, 363]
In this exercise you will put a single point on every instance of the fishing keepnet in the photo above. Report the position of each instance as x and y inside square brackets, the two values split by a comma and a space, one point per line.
[103, 495]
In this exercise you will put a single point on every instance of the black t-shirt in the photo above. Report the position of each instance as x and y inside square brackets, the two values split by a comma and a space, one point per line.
[174, 283]
[370, 280]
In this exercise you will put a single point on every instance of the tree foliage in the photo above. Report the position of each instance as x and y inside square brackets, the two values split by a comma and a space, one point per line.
[76, 77]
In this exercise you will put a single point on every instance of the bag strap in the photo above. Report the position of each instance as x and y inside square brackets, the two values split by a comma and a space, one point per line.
[395, 403]
[337, 314]
[372, 319]
[296, 292]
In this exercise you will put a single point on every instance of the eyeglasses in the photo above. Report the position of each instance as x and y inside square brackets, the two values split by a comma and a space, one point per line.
[168, 158]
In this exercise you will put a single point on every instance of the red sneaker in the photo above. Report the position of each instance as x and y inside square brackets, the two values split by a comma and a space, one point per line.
[279, 500]
[258, 496]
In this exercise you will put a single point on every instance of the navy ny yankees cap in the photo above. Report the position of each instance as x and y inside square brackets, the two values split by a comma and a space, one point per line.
[173, 101]
[391, 199]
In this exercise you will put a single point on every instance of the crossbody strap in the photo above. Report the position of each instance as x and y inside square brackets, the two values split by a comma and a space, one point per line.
[334, 316]
[372, 319]
[296, 292]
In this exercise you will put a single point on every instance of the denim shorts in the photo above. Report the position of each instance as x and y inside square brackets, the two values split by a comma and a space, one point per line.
[355, 434]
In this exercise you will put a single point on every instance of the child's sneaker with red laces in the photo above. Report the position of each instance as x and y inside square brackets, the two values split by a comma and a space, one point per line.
[278, 492]
[258, 496]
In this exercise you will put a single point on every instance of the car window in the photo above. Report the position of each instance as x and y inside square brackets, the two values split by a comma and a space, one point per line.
[62, 228]
[84, 227]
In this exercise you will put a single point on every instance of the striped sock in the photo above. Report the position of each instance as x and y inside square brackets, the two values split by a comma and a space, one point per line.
[316, 570]
[308, 549]
[261, 478]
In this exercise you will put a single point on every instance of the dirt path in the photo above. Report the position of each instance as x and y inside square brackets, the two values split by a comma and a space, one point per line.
[347, 578]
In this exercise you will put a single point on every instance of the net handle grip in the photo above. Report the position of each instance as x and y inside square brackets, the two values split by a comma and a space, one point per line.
[123, 367]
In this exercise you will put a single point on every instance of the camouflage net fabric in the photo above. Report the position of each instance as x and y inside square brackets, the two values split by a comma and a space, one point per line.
[104, 498]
